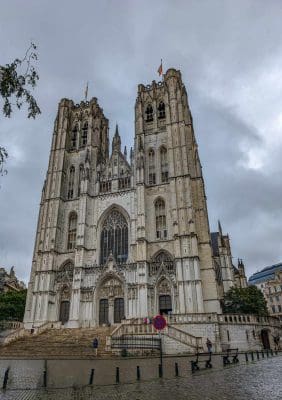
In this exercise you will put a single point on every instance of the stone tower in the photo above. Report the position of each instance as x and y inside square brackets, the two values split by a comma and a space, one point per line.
[120, 238]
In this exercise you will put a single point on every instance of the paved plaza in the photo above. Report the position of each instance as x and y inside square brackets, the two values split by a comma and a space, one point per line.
[255, 381]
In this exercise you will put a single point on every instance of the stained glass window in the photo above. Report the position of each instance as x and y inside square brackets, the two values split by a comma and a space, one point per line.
[114, 238]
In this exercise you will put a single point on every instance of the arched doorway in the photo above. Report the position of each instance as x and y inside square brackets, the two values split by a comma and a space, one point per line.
[265, 339]
[164, 296]
[64, 305]
[111, 301]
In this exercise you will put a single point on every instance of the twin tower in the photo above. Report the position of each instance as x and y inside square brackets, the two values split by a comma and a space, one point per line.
[124, 235]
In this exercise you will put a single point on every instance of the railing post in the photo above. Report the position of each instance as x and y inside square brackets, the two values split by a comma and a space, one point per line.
[246, 357]
[257, 354]
[117, 374]
[176, 369]
[91, 376]
[252, 355]
[138, 372]
[6, 378]
[160, 371]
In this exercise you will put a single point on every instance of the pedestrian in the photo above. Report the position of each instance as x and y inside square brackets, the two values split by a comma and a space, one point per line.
[95, 346]
[209, 345]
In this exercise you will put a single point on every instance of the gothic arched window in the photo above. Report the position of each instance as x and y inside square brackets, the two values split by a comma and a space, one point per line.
[84, 134]
[161, 231]
[74, 138]
[164, 165]
[80, 176]
[71, 182]
[114, 238]
[72, 231]
[151, 167]
[149, 113]
[161, 110]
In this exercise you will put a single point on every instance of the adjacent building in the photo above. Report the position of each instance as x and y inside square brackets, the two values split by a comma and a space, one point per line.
[9, 282]
[269, 281]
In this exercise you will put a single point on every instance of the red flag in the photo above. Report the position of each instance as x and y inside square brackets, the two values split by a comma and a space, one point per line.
[160, 70]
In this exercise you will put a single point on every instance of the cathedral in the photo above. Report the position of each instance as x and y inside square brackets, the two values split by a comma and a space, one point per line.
[126, 235]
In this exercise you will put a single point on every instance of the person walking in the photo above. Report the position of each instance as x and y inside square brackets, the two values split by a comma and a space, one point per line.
[209, 345]
[95, 346]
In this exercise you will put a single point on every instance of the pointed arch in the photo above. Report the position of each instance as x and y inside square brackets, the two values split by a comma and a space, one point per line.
[80, 177]
[162, 260]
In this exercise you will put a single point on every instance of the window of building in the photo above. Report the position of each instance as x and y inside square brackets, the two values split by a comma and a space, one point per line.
[164, 165]
[74, 137]
[81, 172]
[162, 259]
[279, 308]
[228, 335]
[151, 171]
[71, 182]
[114, 238]
[84, 134]
[149, 113]
[271, 299]
[161, 110]
[72, 231]
[277, 298]
[273, 309]
[124, 183]
[161, 231]
[275, 289]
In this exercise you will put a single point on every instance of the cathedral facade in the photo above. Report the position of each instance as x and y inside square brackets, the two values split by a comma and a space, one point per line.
[123, 236]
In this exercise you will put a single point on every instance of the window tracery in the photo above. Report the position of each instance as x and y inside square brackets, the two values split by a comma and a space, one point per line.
[84, 135]
[149, 113]
[65, 273]
[162, 260]
[74, 137]
[80, 177]
[161, 110]
[151, 168]
[164, 165]
[71, 182]
[72, 231]
[160, 212]
[114, 238]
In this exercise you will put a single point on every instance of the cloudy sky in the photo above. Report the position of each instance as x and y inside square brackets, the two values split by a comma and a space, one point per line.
[230, 55]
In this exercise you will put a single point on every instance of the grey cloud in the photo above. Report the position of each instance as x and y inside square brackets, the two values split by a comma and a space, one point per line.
[116, 45]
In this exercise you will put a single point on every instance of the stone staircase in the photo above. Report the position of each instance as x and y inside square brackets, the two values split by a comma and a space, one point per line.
[59, 343]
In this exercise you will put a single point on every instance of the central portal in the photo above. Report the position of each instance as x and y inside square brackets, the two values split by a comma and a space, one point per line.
[111, 302]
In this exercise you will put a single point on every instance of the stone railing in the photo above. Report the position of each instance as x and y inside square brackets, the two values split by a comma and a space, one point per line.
[17, 334]
[10, 325]
[248, 319]
[191, 318]
[183, 337]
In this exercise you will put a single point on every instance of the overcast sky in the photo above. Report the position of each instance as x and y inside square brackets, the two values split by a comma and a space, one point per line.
[230, 56]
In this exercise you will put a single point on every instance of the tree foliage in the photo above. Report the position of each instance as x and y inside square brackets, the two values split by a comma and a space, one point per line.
[249, 300]
[12, 305]
[16, 80]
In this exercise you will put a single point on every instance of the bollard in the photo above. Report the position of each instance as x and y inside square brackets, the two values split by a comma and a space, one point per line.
[246, 357]
[271, 352]
[117, 374]
[267, 353]
[252, 355]
[138, 372]
[262, 354]
[45, 378]
[160, 371]
[91, 376]
[176, 369]
[6, 378]
[257, 355]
